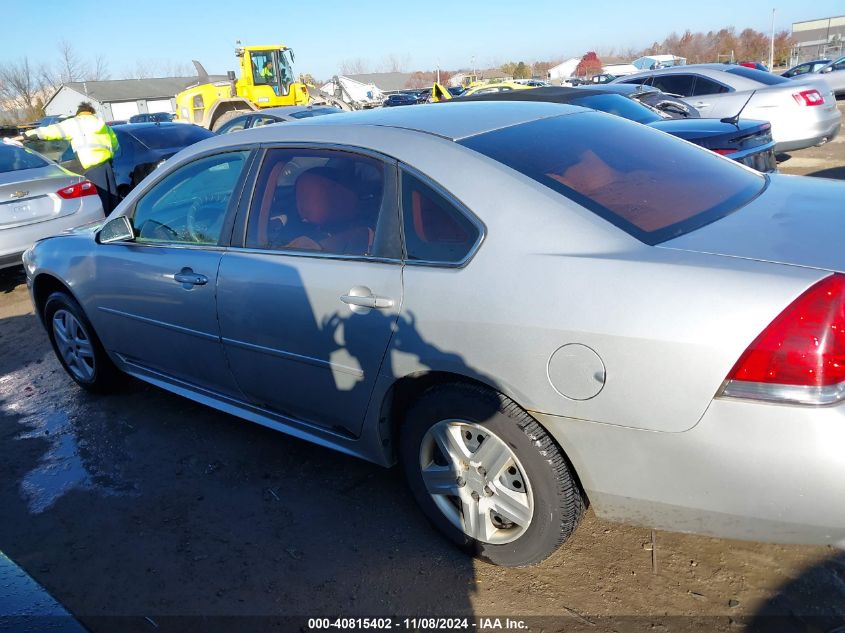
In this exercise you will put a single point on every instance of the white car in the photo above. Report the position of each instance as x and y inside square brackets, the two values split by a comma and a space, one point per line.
[38, 198]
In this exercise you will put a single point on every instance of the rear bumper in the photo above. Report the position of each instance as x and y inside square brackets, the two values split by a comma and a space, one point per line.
[817, 132]
[14, 241]
[747, 471]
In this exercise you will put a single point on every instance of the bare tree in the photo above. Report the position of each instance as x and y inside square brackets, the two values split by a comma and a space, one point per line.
[71, 68]
[357, 66]
[20, 86]
[99, 69]
[393, 63]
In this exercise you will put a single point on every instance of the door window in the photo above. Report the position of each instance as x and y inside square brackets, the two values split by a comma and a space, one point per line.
[435, 229]
[324, 201]
[189, 205]
[674, 84]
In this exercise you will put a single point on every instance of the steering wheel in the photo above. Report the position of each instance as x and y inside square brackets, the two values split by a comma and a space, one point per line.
[205, 218]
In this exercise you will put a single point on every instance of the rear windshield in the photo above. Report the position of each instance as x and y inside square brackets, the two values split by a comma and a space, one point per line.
[620, 106]
[762, 76]
[16, 158]
[652, 185]
[305, 114]
[166, 137]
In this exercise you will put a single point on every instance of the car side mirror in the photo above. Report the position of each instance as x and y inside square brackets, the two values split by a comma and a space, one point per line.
[118, 229]
[826, 70]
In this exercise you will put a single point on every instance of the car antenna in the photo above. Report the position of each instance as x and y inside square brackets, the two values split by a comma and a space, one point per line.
[733, 120]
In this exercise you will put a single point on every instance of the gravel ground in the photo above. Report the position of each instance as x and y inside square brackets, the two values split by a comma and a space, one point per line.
[137, 508]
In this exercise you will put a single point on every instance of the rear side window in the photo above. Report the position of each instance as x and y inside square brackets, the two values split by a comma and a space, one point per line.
[762, 76]
[651, 185]
[705, 86]
[435, 230]
[674, 84]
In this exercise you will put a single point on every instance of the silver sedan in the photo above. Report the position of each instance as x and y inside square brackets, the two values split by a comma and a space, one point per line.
[530, 306]
[802, 111]
[38, 198]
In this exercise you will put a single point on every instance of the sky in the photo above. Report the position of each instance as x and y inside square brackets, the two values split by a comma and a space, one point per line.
[325, 33]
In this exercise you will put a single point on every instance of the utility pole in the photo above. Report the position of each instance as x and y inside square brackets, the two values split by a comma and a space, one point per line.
[772, 44]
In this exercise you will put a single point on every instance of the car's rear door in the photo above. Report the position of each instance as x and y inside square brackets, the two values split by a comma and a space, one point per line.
[308, 302]
[155, 296]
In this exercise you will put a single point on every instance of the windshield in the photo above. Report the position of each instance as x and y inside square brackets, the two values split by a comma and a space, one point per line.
[651, 185]
[272, 68]
[170, 136]
[14, 158]
[620, 106]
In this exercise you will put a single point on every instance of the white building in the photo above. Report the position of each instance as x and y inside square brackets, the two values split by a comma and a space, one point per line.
[564, 70]
[118, 99]
[658, 61]
[620, 70]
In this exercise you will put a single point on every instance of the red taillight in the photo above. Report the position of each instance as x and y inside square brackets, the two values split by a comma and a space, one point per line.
[84, 188]
[808, 97]
[724, 152]
[803, 347]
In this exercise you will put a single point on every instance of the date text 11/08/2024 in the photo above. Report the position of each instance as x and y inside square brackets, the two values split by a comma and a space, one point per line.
[417, 624]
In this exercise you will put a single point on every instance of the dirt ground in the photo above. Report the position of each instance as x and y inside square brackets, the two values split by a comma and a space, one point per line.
[142, 511]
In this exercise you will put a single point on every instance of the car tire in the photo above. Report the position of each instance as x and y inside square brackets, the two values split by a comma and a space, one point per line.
[518, 448]
[77, 346]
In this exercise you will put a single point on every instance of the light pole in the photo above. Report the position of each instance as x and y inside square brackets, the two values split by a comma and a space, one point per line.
[772, 43]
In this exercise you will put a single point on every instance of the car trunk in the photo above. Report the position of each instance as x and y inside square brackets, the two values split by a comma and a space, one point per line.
[796, 220]
[29, 195]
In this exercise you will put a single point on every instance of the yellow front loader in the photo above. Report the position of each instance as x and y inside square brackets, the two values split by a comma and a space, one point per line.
[266, 81]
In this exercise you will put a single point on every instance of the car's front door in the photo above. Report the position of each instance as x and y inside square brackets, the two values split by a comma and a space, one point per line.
[155, 296]
[308, 304]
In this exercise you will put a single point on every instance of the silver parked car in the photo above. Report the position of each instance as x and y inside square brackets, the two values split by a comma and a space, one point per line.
[530, 306]
[834, 75]
[802, 111]
[268, 116]
[38, 199]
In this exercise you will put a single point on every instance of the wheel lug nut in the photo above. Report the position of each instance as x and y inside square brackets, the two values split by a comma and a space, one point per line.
[482, 471]
[487, 491]
[461, 482]
[475, 495]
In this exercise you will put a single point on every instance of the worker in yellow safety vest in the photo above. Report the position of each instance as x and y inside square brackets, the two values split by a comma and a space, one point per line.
[94, 143]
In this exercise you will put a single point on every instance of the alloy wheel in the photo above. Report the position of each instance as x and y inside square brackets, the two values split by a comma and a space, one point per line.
[476, 480]
[74, 345]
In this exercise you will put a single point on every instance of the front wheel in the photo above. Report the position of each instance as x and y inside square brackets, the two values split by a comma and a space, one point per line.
[488, 475]
[76, 344]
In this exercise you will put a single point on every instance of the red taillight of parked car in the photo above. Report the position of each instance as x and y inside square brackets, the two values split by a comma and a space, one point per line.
[724, 152]
[80, 189]
[800, 356]
[808, 97]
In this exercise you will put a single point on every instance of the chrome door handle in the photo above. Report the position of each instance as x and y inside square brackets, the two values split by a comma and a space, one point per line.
[188, 278]
[370, 301]
[360, 298]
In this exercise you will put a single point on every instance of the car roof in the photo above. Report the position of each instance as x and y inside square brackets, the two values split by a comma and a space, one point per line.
[459, 121]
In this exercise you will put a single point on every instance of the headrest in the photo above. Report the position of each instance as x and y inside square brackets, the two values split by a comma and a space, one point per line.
[323, 200]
